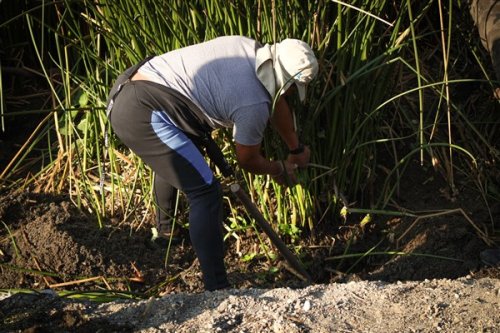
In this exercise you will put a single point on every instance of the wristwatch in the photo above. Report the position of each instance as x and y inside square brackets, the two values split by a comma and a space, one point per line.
[298, 150]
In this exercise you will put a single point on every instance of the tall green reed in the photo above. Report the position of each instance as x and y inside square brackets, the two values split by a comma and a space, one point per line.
[361, 46]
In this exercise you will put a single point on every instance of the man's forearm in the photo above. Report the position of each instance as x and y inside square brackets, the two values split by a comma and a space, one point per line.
[282, 120]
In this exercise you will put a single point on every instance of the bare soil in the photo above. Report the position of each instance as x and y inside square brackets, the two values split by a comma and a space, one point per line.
[47, 244]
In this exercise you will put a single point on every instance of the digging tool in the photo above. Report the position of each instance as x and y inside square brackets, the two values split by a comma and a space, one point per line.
[273, 236]
[217, 157]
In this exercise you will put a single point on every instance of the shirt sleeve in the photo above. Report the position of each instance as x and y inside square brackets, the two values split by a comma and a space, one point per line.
[250, 123]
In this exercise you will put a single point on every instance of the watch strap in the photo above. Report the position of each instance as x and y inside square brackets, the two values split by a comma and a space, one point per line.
[299, 150]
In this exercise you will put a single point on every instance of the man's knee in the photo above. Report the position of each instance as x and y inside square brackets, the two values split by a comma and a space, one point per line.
[212, 192]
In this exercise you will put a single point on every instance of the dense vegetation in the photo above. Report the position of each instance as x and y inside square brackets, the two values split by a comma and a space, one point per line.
[399, 81]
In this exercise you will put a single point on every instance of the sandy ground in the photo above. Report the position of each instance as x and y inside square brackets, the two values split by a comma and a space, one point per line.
[462, 305]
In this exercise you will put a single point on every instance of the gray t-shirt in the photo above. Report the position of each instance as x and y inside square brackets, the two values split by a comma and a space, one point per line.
[219, 76]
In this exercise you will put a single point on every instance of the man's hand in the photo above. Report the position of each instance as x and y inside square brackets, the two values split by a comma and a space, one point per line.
[287, 175]
[302, 159]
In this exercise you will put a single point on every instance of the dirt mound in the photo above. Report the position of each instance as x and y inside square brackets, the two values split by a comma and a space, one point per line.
[46, 240]
[436, 248]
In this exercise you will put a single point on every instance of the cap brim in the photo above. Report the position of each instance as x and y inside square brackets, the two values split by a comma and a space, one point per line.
[283, 80]
[301, 88]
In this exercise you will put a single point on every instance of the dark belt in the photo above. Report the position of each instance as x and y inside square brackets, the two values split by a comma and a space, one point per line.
[120, 81]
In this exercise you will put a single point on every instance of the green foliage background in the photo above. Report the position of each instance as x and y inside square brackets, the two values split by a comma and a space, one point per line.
[390, 91]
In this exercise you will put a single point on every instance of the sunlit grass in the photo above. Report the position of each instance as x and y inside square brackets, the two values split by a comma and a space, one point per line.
[367, 51]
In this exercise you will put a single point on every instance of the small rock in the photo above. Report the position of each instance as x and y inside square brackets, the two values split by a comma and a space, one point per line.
[49, 292]
[222, 307]
[307, 305]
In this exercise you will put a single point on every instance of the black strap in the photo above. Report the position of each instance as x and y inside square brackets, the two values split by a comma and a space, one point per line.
[121, 80]
[115, 90]
[215, 154]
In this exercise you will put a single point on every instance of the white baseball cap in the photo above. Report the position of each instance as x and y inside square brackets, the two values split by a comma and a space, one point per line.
[293, 62]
